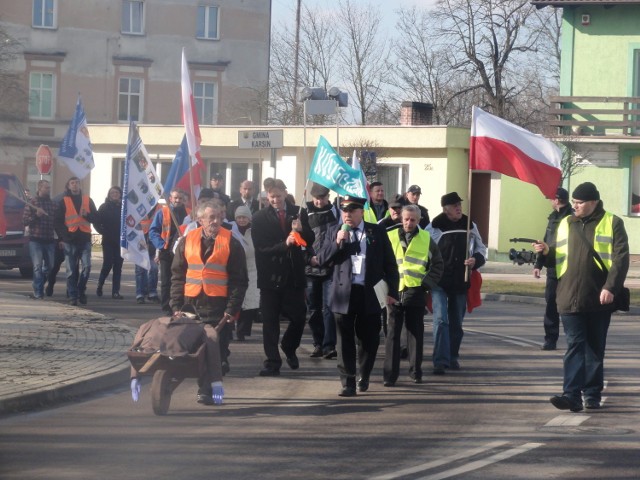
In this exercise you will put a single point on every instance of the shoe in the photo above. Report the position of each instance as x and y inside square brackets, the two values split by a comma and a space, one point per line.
[591, 404]
[438, 370]
[389, 383]
[454, 365]
[82, 298]
[363, 385]
[49, 290]
[73, 302]
[416, 378]
[293, 362]
[116, 296]
[330, 355]
[317, 352]
[140, 300]
[347, 392]
[99, 291]
[154, 299]
[548, 346]
[205, 399]
[225, 368]
[33, 296]
[269, 372]
[562, 402]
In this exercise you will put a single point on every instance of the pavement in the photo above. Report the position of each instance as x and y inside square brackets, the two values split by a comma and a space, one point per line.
[51, 352]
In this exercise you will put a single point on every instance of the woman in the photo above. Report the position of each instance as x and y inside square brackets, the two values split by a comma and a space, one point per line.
[109, 226]
[241, 230]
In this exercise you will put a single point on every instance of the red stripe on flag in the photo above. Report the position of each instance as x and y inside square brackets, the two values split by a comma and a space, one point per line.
[490, 154]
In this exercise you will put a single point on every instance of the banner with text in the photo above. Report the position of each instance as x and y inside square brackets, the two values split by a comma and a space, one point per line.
[333, 172]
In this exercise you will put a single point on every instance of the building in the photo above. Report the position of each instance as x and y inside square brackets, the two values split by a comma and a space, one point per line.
[123, 57]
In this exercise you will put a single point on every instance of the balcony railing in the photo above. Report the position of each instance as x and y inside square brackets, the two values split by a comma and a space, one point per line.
[615, 116]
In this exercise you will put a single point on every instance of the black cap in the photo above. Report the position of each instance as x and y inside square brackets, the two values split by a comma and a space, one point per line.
[206, 193]
[318, 190]
[586, 191]
[450, 199]
[217, 176]
[397, 202]
[415, 189]
[562, 194]
[349, 203]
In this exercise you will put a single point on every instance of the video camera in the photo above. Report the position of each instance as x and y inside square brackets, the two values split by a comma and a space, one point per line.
[523, 256]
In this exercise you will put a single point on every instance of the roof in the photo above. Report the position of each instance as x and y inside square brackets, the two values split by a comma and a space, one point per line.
[573, 3]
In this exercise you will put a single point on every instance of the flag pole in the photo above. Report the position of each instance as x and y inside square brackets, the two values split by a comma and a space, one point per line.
[192, 191]
[466, 255]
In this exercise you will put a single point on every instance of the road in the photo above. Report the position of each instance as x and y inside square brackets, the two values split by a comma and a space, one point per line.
[490, 420]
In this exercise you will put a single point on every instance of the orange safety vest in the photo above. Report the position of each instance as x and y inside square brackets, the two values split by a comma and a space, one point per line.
[146, 222]
[212, 277]
[72, 220]
[166, 226]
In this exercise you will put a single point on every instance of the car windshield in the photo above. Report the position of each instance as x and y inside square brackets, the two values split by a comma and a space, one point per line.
[14, 189]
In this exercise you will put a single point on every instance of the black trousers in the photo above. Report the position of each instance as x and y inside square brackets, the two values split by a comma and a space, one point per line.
[289, 303]
[358, 339]
[166, 259]
[551, 315]
[413, 319]
[111, 259]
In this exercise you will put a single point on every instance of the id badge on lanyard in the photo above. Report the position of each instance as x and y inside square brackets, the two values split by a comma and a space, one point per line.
[356, 263]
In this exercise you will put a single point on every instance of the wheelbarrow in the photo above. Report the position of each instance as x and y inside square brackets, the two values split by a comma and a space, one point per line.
[168, 372]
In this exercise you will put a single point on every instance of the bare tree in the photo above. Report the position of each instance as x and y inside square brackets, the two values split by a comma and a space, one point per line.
[13, 97]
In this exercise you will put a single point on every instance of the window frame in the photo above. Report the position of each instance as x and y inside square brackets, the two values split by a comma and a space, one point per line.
[206, 26]
[42, 19]
[52, 90]
[127, 8]
[129, 96]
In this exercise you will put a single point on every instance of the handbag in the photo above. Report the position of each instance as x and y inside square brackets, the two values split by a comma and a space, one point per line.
[622, 299]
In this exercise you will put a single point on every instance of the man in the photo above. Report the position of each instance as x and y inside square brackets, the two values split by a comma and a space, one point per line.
[39, 218]
[449, 297]
[72, 222]
[209, 271]
[362, 257]
[163, 233]
[322, 214]
[247, 198]
[561, 209]
[394, 218]
[217, 184]
[420, 267]
[280, 261]
[413, 196]
[378, 204]
[591, 256]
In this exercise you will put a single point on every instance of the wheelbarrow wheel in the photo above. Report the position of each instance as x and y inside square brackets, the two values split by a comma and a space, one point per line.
[161, 390]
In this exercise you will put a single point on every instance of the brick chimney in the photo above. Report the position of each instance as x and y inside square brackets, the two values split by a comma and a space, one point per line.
[416, 113]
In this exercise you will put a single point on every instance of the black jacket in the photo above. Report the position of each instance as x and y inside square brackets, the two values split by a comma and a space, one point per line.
[231, 211]
[108, 224]
[550, 237]
[319, 220]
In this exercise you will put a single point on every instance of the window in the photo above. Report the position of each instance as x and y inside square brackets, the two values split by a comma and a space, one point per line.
[41, 95]
[130, 100]
[204, 98]
[635, 186]
[44, 13]
[207, 22]
[133, 17]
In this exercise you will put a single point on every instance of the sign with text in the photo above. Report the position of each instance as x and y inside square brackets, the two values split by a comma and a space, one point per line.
[255, 139]
[44, 159]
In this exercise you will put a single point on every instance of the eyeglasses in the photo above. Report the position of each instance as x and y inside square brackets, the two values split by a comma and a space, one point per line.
[579, 202]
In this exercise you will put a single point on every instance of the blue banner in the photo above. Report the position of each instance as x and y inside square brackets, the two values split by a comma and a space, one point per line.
[333, 172]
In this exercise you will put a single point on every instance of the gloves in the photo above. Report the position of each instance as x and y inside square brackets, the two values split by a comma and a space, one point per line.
[218, 393]
[135, 389]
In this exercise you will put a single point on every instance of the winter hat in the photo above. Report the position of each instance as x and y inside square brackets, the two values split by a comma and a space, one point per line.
[586, 191]
[243, 211]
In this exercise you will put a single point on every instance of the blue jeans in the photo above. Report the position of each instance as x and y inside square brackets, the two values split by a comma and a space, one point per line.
[321, 321]
[586, 335]
[147, 280]
[76, 254]
[448, 315]
[42, 257]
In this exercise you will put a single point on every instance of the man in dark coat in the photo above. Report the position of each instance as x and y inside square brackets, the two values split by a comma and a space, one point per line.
[247, 198]
[362, 257]
[279, 233]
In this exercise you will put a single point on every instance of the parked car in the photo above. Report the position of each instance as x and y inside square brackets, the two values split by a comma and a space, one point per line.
[14, 246]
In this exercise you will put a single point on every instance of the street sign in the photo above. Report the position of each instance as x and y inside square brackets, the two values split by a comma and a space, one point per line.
[255, 139]
[44, 159]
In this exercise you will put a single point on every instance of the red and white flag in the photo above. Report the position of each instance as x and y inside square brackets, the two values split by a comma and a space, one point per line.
[503, 147]
[191, 126]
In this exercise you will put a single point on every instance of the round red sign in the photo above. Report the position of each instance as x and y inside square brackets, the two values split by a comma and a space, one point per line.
[44, 159]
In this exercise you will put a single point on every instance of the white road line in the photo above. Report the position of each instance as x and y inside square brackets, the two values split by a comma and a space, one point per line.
[571, 420]
[498, 457]
[521, 342]
[443, 461]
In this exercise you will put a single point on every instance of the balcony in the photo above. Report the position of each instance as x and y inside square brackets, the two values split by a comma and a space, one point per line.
[596, 116]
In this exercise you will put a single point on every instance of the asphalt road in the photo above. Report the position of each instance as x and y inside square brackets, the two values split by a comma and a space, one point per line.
[490, 420]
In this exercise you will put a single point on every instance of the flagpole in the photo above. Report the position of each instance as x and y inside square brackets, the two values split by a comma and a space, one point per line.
[192, 193]
[25, 201]
[466, 270]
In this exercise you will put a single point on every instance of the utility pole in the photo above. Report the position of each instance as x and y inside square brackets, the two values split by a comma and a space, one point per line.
[296, 62]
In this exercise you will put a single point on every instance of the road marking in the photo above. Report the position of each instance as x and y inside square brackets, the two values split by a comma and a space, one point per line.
[571, 420]
[498, 457]
[521, 342]
[443, 461]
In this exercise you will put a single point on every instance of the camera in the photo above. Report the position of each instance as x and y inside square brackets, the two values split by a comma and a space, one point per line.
[521, 257]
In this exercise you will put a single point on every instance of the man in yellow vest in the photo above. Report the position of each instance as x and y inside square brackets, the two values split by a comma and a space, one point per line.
[420, 266]
[209, 271]
[591, 256]
[74, 216]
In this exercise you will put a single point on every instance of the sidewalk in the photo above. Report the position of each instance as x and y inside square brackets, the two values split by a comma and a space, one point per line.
[50, 352]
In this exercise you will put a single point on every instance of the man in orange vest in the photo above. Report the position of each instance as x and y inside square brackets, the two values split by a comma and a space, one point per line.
[209, 271]
[75, 214]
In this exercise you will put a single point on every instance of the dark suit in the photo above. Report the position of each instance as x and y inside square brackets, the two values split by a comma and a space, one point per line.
[355, 307]
[231, 211]
[281, 280]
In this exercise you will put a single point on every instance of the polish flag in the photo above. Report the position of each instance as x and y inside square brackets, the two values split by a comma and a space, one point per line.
[503, 147]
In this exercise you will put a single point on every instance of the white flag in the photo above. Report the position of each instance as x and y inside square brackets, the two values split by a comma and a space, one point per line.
[75, 150]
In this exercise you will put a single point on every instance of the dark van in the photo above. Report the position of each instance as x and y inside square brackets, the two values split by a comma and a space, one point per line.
[14, 246]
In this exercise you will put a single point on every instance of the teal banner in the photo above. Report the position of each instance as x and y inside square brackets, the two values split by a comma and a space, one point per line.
[333, 172]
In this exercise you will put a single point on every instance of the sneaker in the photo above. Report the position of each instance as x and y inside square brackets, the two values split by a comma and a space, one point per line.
[331, 354]
[317, 352]
[562, 402]
[139, 300]
[591, 404]
[204, 399]
[82, 298]
[116, 296]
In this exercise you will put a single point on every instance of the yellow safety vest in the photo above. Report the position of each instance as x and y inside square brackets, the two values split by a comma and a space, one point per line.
[602, 243]
[211, 277]
[369, 214]
[412, 264]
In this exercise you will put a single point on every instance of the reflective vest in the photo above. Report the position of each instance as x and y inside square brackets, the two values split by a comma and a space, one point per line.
[166, 226]
[412, 264]
[211, 276]
[602, 243]
[72, 220]
[369, 214]
[146, 222]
